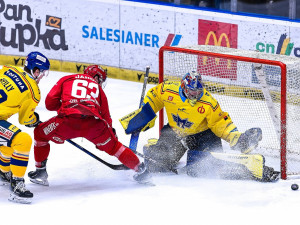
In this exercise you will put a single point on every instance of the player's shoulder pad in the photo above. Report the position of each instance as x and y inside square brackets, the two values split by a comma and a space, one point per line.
[82, 76]
[209, 99]
[24, 82]
[170, 85]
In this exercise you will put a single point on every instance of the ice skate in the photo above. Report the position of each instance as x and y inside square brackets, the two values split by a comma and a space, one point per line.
[39, 176]
[143, 176]
[270, 175]
[19, 193]
[5, 178]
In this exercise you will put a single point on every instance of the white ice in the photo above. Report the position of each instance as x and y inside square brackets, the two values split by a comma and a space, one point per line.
[84, 191]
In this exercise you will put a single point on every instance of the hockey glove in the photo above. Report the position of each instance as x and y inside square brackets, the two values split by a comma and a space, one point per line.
[37, 121]
[139, 120]
[246, 142]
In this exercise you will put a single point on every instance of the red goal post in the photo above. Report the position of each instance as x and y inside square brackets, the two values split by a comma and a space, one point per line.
[245, 82]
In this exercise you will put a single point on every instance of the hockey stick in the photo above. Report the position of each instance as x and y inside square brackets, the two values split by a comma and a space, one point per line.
[112, 166]
[135, 135]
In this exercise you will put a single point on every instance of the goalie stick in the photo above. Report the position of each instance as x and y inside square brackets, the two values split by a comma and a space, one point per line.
[135, 135]
[112, 166]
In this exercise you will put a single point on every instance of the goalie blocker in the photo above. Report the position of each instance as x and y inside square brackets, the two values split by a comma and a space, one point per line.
[139, 120]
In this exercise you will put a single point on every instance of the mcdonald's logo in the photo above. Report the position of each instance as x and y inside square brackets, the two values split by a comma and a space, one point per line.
[217, 42]
[218, 34]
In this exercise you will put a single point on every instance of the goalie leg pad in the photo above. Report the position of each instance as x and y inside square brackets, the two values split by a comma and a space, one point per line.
[157, 153]
[229, 166]
[204, 164]
[167, 151]
[252, 164]
[216, 165]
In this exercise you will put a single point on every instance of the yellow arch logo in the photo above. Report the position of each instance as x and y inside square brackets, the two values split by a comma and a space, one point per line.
[217, 42]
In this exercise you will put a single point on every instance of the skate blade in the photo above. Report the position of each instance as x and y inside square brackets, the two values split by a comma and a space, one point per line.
[40, 182]
[17, 199]
[146, 183]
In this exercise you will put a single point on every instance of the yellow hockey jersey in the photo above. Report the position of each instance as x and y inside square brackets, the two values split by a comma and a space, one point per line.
[186, 119]
[19, 93]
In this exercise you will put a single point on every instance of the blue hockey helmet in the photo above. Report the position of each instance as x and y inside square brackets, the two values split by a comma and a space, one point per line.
[192, 85]
[34, 61]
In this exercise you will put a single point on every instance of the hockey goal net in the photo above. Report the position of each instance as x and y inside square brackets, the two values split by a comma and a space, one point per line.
[256, 89]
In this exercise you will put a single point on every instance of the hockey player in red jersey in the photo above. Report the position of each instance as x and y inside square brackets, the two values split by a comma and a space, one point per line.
[83, 111]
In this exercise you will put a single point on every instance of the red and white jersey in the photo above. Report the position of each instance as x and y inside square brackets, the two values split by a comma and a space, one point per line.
[78, 94]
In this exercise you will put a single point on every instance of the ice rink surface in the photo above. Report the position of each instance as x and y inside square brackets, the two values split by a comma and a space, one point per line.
[84, 191]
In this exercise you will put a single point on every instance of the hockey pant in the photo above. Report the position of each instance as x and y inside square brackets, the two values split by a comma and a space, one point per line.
[169, 148]
[98, 131]
[14, 149]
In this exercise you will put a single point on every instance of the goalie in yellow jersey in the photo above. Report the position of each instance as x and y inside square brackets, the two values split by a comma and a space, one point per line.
[196, 124]
[19, 93]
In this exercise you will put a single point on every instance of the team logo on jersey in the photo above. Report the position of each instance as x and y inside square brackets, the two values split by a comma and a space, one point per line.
[201, 110]
[182, 123]
[170, 98]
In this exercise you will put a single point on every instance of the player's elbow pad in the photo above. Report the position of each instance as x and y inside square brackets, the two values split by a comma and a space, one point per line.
[139, 120]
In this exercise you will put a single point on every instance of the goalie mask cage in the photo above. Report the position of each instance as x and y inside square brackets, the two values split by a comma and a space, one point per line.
[256, 89]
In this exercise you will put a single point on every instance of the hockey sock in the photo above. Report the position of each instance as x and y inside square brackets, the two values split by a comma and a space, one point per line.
[41, 152]
[127, 157]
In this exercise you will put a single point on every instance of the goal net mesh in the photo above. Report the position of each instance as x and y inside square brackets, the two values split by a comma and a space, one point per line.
[248, 85]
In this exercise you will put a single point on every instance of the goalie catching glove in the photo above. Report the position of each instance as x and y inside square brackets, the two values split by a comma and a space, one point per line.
[139, 120]
[246, 142]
